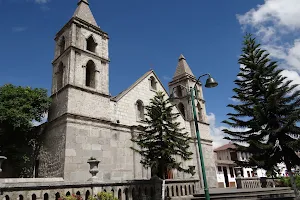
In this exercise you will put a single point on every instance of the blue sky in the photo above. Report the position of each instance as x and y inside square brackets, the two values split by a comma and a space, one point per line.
[152, 34]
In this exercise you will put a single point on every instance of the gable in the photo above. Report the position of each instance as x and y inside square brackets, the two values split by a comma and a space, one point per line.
[125, 104]
[141, 80]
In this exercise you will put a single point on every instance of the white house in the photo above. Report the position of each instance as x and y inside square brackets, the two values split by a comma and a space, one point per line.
[226, 168]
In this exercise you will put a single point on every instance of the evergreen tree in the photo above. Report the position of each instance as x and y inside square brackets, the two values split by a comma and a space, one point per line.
[162, 139]
[268, 110]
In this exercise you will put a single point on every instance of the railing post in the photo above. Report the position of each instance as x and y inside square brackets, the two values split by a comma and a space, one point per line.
[238, 179]
[157, 184]
[263, 182]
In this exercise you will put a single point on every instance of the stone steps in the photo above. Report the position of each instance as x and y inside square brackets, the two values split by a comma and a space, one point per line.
[249, 194]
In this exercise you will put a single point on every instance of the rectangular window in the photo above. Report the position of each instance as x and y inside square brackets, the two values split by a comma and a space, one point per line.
[219, 169]
[248, 173]
[231, 172]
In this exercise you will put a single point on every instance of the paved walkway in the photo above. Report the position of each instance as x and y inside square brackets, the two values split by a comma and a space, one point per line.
[234, 190]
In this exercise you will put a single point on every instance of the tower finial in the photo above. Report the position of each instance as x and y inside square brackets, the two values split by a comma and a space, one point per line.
[83, 1]
[181, 57]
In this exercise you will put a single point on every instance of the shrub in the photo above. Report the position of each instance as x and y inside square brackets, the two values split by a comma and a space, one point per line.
[286, 181]
[103, 196]
[71, 197]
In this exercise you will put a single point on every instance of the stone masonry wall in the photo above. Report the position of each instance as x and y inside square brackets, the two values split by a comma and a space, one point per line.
[111, 145]
[52, 155]
[88, 104]
[125, 111]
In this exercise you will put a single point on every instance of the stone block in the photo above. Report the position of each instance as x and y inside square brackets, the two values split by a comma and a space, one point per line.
[96, 147]
[81, 139]
[70, 152]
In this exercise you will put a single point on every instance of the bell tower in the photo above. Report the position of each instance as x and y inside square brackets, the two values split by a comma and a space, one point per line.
[80, 66]
[183, 80]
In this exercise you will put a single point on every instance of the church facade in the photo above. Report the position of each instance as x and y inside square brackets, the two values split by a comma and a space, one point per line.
[86, 121]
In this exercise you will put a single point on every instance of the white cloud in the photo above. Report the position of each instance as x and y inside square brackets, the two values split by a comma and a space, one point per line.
[41, 1]
[19, 29]
[276, 23]
[44, 119]
[274, 13]
[234, 100]
[216, 132]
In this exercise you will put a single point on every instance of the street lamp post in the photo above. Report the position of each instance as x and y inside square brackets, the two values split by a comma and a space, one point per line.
[210, 83]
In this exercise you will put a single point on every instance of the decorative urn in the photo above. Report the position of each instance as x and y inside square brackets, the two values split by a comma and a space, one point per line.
[2, 158]
[93, 166]
[239, 172]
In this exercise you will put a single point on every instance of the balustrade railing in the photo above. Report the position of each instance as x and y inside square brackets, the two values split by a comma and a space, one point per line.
[254, 182]
[125, 190]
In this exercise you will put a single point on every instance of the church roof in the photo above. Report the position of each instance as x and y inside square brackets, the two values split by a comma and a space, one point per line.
[123, 93]
[182, 67]
[225, 147]
[84, 12]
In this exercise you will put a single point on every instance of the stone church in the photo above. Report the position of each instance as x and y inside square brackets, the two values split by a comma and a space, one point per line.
[86, 121]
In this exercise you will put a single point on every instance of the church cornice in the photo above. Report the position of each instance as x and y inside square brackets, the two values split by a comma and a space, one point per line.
[106, 122]
[183, 77]
[81, 23]
[92, 91]
[95, 56]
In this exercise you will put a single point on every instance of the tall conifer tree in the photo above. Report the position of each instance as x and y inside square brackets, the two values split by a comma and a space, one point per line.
[162, 139]
[268, 109]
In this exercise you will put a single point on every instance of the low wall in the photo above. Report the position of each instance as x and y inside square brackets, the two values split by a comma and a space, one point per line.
[50, 189]
[254, 182]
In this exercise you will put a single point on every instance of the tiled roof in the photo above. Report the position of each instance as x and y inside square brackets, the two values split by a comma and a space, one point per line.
[225, 147]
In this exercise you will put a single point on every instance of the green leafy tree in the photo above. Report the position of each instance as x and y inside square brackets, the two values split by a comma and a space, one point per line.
[162, 139]
[19, 138]
[268, 110]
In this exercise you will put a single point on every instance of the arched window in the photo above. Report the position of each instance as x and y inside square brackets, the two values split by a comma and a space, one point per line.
[120, 194]
[87, 194]
[179, 91]
[91, 44]
[140, 110]
[46, 196]
[57, 195]
[90, 74]
[153, 83]
[200, 114]
[62, 45]
[181, 109]
[60, 76]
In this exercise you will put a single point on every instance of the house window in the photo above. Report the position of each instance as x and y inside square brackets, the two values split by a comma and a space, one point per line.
[219, 169]
[243, 156]
[140, 110]
[91, 44]
[59, 76]
[181, 109]
[152, 83]
[90, 74]
[231, 172]
[248, 174]
[170, 174]
[62, 45]
[200, 115]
